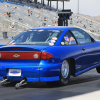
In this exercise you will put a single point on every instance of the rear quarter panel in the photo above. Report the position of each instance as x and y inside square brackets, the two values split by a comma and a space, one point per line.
[60, 53]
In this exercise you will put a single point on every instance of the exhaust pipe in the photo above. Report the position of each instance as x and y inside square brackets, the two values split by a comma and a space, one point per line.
[23, 82]
[5, 81]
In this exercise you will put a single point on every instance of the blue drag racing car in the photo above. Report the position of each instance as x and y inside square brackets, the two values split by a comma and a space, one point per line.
[49, 54]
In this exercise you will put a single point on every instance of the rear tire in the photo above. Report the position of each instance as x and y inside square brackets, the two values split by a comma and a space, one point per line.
[65, 72]
[98, 69]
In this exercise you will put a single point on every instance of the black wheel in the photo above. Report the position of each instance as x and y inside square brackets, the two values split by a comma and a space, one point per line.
[65, 72]
[98, 69]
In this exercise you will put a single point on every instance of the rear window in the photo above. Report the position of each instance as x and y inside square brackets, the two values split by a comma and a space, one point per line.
[37, 37]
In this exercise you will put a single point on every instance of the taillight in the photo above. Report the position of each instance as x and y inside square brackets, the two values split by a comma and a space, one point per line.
[20, 55]
[0, 55]
[46, 55]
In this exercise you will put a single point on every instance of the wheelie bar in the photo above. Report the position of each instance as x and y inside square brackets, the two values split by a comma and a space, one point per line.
[23, 82]
[5, 81]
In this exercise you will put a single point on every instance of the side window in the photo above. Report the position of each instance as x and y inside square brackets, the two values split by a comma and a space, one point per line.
[68, 39]
[81, 36]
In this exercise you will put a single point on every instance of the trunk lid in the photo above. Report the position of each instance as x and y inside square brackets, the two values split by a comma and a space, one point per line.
[23, 48]
[21, 53]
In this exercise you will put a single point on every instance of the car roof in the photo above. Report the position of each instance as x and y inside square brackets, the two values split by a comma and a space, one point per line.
[55, 27]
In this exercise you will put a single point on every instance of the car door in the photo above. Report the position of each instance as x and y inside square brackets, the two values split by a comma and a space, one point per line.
[90, 49]
[69, 45]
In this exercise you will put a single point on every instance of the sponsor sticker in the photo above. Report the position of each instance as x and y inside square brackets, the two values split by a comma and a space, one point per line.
[62, 43]
[66, 38]
[66, 42]
[51, 44]
[54, 38]
[72, 42]
[52, 41]
[72, 39]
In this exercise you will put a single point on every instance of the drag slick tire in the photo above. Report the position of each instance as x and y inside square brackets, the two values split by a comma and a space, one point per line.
[98, 69]
[64, 74]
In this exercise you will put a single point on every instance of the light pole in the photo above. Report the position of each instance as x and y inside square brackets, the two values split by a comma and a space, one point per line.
[78, 9]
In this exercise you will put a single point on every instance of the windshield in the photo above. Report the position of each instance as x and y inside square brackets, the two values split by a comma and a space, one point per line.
[37, 37]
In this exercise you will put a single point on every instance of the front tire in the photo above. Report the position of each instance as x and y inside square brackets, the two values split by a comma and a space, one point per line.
[65, 72]
[98, 69]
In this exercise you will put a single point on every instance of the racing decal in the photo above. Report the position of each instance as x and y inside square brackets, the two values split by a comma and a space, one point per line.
[66, 43]
[52, 41]
[51, 44]
[72, 42]
[54, 38]
[62, 43]
[66, 38]
[72, 39]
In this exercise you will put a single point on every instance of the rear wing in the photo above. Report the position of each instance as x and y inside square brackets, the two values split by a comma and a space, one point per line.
[2, 45]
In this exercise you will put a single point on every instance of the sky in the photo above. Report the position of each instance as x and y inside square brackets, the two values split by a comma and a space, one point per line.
[87, 7]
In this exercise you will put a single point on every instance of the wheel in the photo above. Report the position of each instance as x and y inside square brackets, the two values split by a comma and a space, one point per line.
[65, 72]
[98, 69]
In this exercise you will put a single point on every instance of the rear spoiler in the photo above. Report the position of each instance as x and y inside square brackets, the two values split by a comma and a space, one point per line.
[2, 45]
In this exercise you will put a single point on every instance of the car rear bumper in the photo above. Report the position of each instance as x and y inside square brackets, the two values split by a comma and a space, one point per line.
[41, 79]
[37, 73]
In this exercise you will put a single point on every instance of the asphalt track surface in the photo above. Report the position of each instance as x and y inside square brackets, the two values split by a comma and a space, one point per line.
[83, 84]
[83, 87]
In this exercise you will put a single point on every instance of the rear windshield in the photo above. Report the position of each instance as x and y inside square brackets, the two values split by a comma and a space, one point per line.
[37, 37]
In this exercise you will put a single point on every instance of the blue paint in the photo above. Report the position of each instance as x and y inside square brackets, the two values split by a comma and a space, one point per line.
[49, 70]
[87, 69]
[43, 79]
[47, 79]
[1, 78]
[33, 79]
[2, 45]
